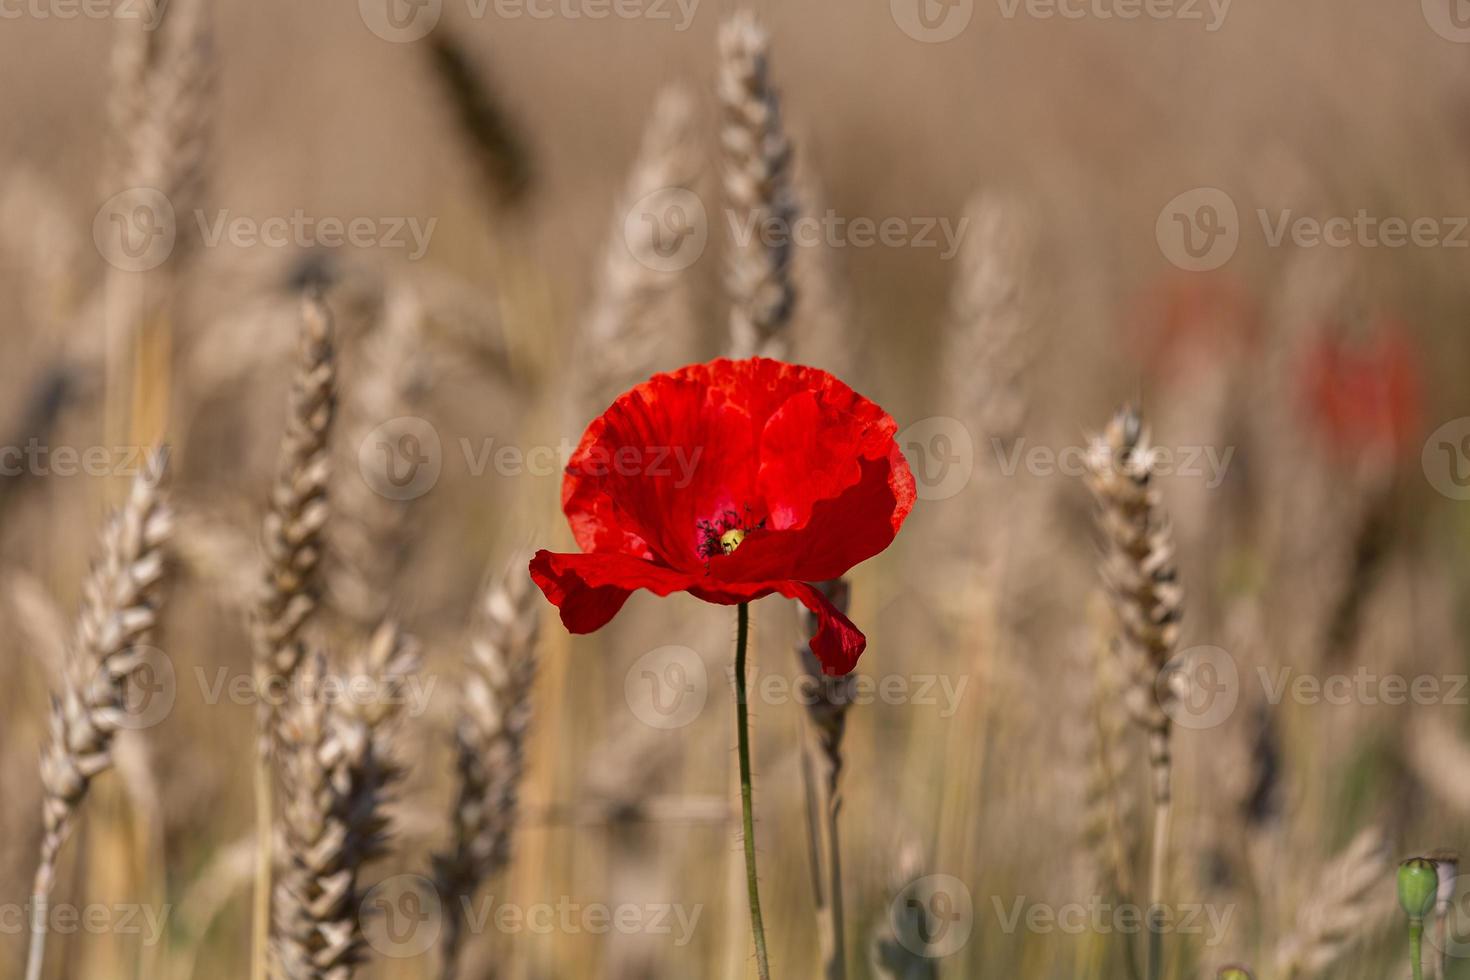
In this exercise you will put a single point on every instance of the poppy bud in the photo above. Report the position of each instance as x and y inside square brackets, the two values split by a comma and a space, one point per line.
[1418, 887]
[1233, 973]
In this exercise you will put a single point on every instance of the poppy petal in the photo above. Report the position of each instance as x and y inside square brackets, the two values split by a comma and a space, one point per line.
[837, 643]
[841, 533]
[590, 589]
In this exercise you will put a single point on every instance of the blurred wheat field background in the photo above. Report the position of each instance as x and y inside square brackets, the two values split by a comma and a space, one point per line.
[1167, 302]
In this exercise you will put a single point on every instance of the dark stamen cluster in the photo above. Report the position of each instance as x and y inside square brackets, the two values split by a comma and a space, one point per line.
[711, 532]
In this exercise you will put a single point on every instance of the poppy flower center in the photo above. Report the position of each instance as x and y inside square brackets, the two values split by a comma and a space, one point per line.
[723, 534]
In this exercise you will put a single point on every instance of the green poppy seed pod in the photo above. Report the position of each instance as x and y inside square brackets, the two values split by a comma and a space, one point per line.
[1418, 887]
[1233, 973]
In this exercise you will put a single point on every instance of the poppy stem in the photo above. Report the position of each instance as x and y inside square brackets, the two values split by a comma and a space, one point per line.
[747, 817]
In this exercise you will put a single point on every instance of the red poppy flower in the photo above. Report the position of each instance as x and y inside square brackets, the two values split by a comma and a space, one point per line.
[731, 481]
[1190, 321]
[1365, 398]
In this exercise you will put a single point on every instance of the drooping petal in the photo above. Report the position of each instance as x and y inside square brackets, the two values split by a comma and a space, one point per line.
[590, 589]
[838, 643]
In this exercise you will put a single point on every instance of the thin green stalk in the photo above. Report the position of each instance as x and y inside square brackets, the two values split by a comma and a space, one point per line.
[747, 808]
[1416, 947]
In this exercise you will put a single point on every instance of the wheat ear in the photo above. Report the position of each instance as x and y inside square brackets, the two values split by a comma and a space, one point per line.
[490, 745]
[495, 142]
[120, 608]
[337, 772]
[895, 956]
[1143, 586]
[757, 179]
[993, 342]
[623, 336]
[170, 133]
[293, 534]
[295, 522]
[1347, 903]
[371, 529]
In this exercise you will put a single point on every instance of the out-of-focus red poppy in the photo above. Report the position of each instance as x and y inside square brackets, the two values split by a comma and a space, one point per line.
[1189, 320]
[1364, 397]
[731, 481]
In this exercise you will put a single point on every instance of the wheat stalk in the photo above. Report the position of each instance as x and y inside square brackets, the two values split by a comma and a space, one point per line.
[1109, 804]
[757, 164]
[1143, 585]
[490, 744]
[337, 771]
[120, 608]
[827, 701]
